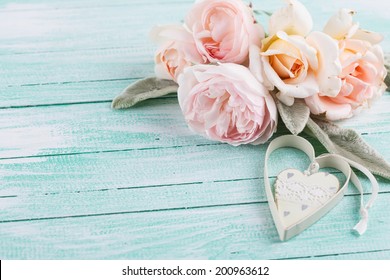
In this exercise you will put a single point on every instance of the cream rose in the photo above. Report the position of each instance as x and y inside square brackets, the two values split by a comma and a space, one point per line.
[341, 26]
[224, 29]
[226, 103]
[298, 66]
[363, 70]
[177, 50]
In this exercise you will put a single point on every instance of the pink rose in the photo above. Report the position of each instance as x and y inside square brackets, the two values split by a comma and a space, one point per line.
[224, 30]
[177, 51]
[362, 81]
[226, 103]
[363, 70]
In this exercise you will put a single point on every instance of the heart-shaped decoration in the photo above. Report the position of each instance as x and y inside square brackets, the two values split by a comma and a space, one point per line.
[302, 199]
[299, 200]
[298, 196]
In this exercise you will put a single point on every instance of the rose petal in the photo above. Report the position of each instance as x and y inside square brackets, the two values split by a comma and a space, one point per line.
[333, 111]
[369, 36]
[304, 89]
[294, 19]
[329, 66]
[177, 50]
[300, 43]
[341, 25]
[161, 72]
[256, 67]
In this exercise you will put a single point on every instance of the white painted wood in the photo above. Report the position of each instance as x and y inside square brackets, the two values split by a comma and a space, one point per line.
[231, 232]
[94, 127]
[78, 167]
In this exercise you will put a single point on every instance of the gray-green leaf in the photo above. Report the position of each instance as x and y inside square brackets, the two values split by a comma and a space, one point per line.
[294, 117]
[261, 12]
[143, 90]
[348, 143]
[387, 65]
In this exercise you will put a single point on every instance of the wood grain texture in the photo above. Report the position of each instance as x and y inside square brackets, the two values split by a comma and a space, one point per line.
[59, 27]
[85, 184]
[94, 127]
[62, 93]
[98, 49]
[54, 68]
[81, 181]
[231, 232]
[50, 25]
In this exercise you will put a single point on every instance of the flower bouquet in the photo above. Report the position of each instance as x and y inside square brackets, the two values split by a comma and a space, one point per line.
[233, 79]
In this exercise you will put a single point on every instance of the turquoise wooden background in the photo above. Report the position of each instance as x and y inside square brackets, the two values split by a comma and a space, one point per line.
[81, 181]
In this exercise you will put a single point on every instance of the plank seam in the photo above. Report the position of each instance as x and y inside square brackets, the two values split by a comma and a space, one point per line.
[150, 210]
[74, 103]
[112, 151]
[74, 82]
[332, 255]
[146, 148]
[130, 212]
[160, 186]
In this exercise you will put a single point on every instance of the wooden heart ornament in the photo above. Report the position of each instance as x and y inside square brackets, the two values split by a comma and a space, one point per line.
[298, 196]
[299, 199]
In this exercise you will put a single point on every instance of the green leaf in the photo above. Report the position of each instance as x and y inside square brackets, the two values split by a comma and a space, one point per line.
[294, 117]
[143, 90]
[348, 143]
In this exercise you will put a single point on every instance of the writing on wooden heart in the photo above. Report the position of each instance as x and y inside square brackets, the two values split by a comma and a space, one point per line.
[298, 196]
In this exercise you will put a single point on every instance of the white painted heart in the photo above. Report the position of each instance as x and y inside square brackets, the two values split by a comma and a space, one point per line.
[298, 196]
[301, 199]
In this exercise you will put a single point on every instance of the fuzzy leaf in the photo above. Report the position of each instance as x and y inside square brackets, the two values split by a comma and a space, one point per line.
[387, 66]
[262, 12]
[294, 117]
[348, 143]
[142, 90]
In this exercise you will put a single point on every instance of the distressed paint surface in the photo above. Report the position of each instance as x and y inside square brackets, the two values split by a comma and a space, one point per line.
[81, 181]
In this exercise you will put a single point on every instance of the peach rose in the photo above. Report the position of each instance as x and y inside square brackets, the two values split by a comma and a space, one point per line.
[177, 51]
[224, 29]
[363, 70]
[226, 103]
[297, 64]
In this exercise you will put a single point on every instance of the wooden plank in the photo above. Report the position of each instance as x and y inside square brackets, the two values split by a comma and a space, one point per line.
[88, 28]
[37, 26]
[31, 5]
[161, 168]
[234, 232]
[143, 167]
[156, 123]
[54, 68]
[93, 127]
[135, 168]
[62, 93]
[70, 51]
[38, 203]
